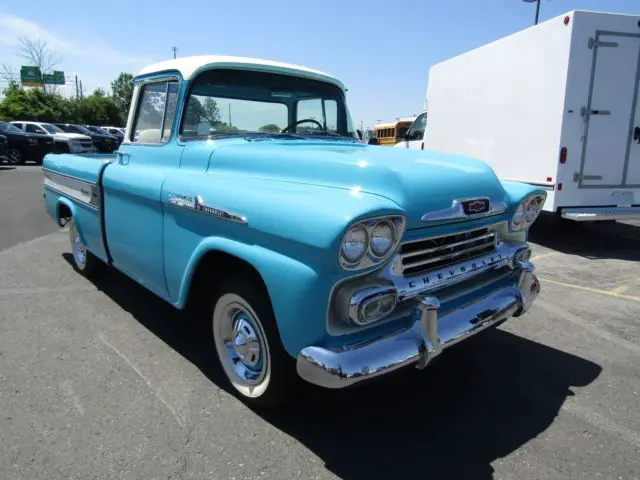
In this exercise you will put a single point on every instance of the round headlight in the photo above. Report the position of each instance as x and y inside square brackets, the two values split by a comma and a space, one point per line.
[518, 217]
[532, 209]
[355, 243]
[382, 237]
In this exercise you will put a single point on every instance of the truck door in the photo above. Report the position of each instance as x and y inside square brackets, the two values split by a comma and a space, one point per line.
[132, 186]
[632, 172]
[609, 156]
[415, 134]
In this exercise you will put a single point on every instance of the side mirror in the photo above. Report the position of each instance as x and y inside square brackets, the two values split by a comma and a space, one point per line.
[373, 141]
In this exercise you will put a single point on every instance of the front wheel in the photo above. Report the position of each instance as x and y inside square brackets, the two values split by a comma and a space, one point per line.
[15, 156]
[249, 347]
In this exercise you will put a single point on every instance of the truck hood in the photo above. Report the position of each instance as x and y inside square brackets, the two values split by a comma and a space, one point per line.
[417, 181]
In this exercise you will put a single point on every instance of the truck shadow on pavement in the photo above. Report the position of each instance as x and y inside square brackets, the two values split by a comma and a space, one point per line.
[594, 241]
[484, 400]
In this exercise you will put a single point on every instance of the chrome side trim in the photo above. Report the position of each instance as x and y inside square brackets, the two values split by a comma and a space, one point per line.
[456, 211]
[430, 334]
[79, 190]
[197, 204]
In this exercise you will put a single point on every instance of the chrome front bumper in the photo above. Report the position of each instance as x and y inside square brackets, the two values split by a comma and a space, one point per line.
[423, 341]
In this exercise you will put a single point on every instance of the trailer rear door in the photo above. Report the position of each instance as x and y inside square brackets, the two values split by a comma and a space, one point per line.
[610, 155]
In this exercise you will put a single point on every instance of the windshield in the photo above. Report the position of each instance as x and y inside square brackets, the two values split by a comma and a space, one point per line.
[223, 102]
[51, 128]
[9, 128]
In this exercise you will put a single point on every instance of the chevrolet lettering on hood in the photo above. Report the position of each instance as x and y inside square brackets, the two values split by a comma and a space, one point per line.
[310, 255]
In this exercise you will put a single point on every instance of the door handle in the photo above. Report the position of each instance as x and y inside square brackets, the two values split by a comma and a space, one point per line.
[123, 157]
[636, 134]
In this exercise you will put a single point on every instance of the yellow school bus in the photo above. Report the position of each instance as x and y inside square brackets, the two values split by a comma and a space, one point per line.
[391, 133]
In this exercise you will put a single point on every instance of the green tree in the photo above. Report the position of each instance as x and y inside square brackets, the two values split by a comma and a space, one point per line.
[96, 109]
[122, 92]
[211, 111]
[270, 128]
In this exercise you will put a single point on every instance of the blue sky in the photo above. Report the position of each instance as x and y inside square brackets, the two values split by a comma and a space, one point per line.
[381, 50]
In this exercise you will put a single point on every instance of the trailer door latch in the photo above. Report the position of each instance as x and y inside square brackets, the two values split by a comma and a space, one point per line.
[599, 43]
[577, 176]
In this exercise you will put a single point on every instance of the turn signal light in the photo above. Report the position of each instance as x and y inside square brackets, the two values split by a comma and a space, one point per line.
[563, 154]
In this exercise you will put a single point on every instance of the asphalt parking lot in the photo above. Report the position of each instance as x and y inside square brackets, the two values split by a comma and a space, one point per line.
[107, 381]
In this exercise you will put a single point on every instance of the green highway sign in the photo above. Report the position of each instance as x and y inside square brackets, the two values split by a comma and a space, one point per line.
[32, 77]
[55, 78]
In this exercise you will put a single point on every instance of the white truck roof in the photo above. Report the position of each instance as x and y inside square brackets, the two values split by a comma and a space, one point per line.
[189, 67]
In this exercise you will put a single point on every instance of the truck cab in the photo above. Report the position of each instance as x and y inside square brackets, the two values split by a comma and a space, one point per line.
[242, 194]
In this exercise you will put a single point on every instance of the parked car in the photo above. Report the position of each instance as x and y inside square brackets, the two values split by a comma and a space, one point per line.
[63, 142]
[102, 142]
[314, 256]
[115, 139]
[3, 148]
[23, 146]
[118, 131]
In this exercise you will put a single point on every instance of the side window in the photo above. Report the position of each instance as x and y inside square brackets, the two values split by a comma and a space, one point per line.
[323, 111]
[155, 112]
[31, 128]
[416, 131]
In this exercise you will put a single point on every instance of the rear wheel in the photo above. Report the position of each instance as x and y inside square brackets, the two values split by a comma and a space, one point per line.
[249, 348]
[84, 261]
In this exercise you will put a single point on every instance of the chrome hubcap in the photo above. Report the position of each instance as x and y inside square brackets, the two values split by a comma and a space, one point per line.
[14, 156]
[79, 252]
[244, 353]
[246, 345]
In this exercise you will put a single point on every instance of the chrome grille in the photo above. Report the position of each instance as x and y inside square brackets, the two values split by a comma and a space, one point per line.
[439, 252]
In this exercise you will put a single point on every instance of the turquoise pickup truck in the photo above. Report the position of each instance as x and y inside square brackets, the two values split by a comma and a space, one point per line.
[242, 187]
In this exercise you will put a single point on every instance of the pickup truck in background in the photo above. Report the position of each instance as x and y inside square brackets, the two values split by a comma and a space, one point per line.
[241, 191]
[64, 142]
[102, 141]
[556, 105]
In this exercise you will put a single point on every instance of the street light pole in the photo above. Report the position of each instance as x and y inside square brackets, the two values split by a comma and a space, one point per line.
[537, 9]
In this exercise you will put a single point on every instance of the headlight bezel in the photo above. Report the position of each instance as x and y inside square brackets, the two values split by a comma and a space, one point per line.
[370, 258]
[520, 213]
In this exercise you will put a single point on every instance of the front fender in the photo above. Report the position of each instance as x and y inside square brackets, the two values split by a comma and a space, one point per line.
[297, 292]
[516, 192]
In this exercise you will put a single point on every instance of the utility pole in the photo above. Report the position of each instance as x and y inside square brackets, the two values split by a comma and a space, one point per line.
[80, 88]
[175, 49]
[537, 2]
[77, 94]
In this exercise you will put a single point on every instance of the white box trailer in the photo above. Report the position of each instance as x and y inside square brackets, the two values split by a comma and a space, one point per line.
[554, 105]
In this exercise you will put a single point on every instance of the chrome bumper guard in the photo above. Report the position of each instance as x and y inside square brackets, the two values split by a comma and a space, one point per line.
[591, 214]
[422, 342]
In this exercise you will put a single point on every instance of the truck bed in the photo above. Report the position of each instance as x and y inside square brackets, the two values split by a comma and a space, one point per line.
[82, 166]
[72, 187]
